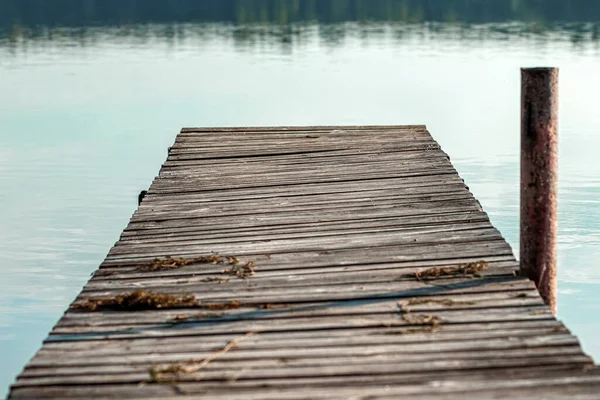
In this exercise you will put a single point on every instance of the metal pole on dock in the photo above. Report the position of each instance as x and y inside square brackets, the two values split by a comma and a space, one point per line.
[539, 179]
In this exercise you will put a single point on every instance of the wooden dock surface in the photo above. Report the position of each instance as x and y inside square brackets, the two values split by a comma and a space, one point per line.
[309, 263]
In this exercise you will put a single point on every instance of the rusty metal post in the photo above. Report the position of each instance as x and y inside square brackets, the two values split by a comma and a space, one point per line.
[539, 179]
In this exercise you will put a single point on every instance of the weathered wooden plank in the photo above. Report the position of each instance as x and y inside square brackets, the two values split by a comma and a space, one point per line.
[456, 335]
[277, 339]
[203, 273]
[333, 159]
[244, 235]
[399, 285]
[180, 163]
[315, 134]
[418, 147]
[310, 146]
[267, 130]
[412, 194]
[346, 257]
[199, 211]
[321, 258]
[300, 159]
[384, 182]
[301, 194]
[182, 211]
[560, 376]
[451, 337]
[447, 306]
[355, 139]
[330, 242]
[578, 389]
[339, 346]
[293, 203]
[438, 221]
[324, 223]
[303, 141]
[397, 184]
[331, 356]
[290, 284]
[212, 184]
[279, 132]
[289, 371]
[411, 212]
[271, 270]
[415, 236]
[258, 322]
[345, 193]
[389, 327]
[240, 198]
[350, 173]
[327, 230]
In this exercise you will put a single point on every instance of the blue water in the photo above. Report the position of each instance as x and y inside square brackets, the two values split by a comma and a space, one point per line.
[85, 122]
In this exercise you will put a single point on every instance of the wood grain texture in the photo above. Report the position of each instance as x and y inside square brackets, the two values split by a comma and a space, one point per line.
[362, 243]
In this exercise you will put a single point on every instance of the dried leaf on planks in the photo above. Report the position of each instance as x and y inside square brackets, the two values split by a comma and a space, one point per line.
[143, 300]
[135, 301]
[431, 321]
[471, 269]
[162, 264]
[184, 318]
[220, 281]
[173, 372]
[241, 271]
[443, 302]
[414, 331]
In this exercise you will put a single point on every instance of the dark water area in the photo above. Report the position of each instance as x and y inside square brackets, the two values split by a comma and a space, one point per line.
[75, 13]
[92, 92]
[41, 19]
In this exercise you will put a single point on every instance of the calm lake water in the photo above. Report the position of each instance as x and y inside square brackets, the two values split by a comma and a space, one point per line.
[91, 97]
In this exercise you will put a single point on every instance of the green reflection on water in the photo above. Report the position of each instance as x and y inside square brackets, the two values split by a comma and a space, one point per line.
[56, 19]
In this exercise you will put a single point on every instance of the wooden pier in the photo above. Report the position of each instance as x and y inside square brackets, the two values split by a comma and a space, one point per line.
[309, 263]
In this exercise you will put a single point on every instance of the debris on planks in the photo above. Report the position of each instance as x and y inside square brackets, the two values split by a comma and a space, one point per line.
[135, 301]
[170, 374]
[433, 322]
[268, 306]
[220, 281]
[183, 318]
[143, 300]
[241, 271]
[470, 269]
[232, 305]
[443, 302]
[414, 331]
[162, 264]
